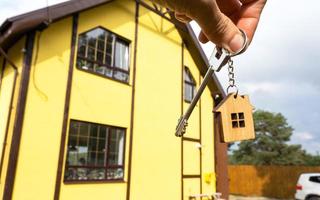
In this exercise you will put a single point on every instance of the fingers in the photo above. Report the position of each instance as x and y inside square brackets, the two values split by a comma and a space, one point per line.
[182, 17]
[225, 32]
[248, 17]
[219, 29]
[228, 7]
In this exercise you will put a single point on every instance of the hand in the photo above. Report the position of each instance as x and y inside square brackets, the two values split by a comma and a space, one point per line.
[220, 20]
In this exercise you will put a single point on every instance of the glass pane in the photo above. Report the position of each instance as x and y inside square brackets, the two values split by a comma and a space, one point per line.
[73, 128]
[101, 45]
[108, 60]
[89, 66]
[188, 92]
[93, 144]
[92, 42]
[70, 174]
[93, 130]
[100, 57]
[122, 56]
[91, 54]
[82, 40]
[84, 129]
[108, 72]
[81, 63]
[187, 76]
[101, 69]
[72, 157]
[121, 76]
[84, 174]
[92, 158]
[116, 147]
[82, 151]
[82, 51]
[96, 174]
[101, 159]
[115, 173]
[81, 174]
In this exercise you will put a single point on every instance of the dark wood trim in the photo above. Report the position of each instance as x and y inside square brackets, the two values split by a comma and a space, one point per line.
[107, 166]
[66, 107]
[18, 122]
[200, 133]
[178, 25]
[9, 117]
[192, 176]
[182, 98]
[221, 160]
[95, 182]
[191, 139]
[136, 34]
[7, 58]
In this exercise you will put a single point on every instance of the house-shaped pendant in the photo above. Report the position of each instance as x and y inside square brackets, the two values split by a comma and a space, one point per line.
[235, 116]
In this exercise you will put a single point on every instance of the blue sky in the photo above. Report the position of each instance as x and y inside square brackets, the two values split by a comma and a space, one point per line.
[280, 71]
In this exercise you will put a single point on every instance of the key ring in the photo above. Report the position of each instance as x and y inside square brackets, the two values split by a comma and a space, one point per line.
[245, 44]
[233, 86]
[240, 51]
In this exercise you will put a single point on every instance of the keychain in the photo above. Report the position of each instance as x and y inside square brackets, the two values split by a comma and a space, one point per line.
[235, 111]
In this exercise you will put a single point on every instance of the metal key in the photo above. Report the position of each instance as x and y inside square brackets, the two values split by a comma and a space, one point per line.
[218, 59]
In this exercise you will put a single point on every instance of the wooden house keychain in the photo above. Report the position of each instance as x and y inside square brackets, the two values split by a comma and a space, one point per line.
[234, 111]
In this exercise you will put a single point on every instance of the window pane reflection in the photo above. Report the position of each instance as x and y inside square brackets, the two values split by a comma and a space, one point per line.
[94, 150]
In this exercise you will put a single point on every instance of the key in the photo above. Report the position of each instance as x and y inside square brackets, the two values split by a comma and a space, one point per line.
[218, 59]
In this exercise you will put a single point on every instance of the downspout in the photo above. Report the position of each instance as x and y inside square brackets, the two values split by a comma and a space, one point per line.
[15, 68]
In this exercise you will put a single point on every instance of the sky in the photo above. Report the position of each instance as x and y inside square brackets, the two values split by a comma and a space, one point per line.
[280, 70]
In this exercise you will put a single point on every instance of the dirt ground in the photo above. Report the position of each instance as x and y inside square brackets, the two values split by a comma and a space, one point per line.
[232, 197]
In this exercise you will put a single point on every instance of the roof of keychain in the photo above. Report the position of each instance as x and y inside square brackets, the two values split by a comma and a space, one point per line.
[218, 59]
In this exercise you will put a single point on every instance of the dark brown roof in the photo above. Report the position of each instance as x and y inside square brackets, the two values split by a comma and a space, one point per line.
[13, 28]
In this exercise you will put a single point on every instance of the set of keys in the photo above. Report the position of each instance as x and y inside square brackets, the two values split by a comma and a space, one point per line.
[219, 58]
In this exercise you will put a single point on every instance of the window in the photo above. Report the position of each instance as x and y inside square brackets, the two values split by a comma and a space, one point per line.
[189, 86]
[238, 120]
[104, 53]
[315, 179]
[95, 152]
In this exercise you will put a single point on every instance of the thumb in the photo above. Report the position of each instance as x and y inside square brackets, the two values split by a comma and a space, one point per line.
[219, 29]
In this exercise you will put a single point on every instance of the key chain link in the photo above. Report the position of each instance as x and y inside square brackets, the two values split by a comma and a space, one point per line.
[232, 80]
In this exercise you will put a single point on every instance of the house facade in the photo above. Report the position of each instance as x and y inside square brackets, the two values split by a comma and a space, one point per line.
[90, 95]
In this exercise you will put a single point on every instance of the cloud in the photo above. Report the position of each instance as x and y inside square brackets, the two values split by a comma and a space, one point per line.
[280, 70]
[305, 136]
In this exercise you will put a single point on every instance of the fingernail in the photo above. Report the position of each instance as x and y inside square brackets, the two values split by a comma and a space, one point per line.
[236, 43]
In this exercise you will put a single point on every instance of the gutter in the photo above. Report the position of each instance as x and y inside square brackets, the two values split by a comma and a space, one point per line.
[15, 68]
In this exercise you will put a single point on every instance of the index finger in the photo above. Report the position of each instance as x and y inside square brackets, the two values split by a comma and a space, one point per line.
[248, 17]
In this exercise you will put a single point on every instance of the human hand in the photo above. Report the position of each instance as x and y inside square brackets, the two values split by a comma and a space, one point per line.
[220, 20]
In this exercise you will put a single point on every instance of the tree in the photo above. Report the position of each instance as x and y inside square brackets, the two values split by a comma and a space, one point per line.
[270, 146]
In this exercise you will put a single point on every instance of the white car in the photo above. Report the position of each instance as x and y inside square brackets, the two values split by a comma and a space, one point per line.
[308, 187]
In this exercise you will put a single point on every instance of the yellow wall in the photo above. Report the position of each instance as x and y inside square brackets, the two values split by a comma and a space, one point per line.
[191, 154]
[207, 141]
[156, 165]
[156, 162]
[41, 133]
[102, 100]
[16, 56]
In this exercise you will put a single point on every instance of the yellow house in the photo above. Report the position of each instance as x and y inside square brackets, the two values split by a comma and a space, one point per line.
[90, 94]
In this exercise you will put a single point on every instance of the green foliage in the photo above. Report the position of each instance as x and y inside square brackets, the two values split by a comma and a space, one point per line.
[270, 146]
